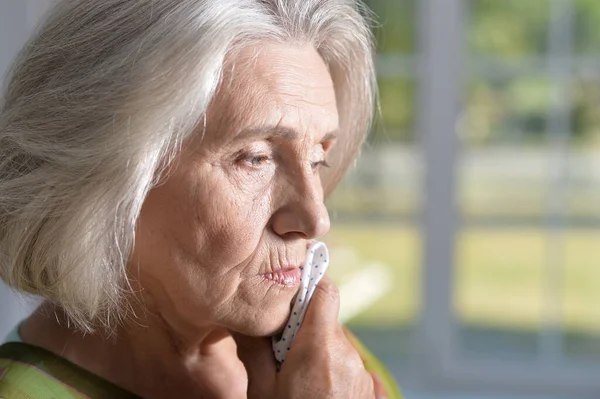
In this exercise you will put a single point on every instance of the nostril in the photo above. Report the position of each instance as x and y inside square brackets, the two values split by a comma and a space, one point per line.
[303, 215]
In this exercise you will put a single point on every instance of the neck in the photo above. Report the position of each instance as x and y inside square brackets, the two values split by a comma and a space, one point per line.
[147, 357]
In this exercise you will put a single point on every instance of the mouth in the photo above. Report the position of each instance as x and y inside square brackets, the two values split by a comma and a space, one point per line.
[288, 277]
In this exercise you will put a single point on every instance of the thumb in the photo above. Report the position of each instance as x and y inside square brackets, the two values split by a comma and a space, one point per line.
[324, 307]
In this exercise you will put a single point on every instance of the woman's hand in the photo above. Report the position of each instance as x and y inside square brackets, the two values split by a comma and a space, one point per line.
[322, 363]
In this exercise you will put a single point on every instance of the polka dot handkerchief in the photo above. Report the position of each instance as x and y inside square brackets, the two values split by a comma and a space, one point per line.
[315, 266]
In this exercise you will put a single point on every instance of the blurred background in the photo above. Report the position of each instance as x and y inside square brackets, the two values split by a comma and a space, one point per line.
[476, 206]
[466, 241]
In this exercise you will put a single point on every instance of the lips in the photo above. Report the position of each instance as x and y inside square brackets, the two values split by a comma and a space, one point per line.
[287, 277]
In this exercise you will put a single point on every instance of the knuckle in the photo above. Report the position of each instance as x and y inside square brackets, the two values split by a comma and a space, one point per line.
[330, 292]
[353, 360]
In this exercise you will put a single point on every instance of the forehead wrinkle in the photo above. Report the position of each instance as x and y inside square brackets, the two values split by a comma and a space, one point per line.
[275, 131]
[240, 101]
[234, 104]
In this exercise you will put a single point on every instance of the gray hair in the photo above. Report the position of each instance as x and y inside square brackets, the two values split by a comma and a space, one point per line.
[97, 105]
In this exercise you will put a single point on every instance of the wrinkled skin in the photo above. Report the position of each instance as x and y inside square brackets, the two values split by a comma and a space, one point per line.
[243, 199]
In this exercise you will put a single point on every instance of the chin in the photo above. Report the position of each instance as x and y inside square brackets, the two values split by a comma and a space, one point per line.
[269, 322]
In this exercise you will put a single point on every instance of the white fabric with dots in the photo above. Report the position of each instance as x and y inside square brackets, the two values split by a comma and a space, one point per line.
[315, 266]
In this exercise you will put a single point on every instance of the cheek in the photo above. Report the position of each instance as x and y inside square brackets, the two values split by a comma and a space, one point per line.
[231, 223]
[204, 224]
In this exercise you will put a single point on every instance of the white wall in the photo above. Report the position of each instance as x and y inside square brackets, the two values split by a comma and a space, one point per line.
[17, 19]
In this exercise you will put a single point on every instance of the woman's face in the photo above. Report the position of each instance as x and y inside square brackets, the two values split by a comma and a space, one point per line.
[222, 240]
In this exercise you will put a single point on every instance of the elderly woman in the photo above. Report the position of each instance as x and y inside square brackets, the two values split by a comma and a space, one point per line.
[163, 166]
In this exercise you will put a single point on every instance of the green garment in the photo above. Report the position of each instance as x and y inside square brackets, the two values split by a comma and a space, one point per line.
[30, 372]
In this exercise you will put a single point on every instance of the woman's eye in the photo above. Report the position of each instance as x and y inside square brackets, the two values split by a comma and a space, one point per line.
[257, 160]
[316, 165]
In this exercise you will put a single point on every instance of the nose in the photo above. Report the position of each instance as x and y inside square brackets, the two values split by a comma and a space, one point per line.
[302, 213]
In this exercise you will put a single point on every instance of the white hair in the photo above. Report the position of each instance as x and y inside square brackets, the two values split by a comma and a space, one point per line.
[96, 106]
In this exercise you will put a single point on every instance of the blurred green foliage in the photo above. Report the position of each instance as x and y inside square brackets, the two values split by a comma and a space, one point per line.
[503, 107]
[587, 27]
[508, 28]
[397, 109]
[395, 25]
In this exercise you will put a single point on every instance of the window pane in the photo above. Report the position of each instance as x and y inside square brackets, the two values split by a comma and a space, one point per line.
[587, 27]
[581, 310]
[395, 29]
[584, 109]
[498, 290]
[397, 110]
[507, 110]
[508, 28]
[504, 163]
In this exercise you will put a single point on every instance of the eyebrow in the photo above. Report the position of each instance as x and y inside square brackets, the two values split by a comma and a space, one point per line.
[272, 131]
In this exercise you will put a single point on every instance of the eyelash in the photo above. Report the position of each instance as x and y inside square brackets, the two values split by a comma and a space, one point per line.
[261, 159]
[315, 165]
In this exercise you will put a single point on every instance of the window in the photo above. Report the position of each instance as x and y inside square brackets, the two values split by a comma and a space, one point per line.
[477, 202]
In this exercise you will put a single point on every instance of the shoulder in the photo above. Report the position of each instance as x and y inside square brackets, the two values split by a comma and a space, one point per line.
[22, 377]
[28, 371]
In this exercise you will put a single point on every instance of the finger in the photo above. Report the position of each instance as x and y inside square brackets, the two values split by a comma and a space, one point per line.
[324, 307]
[380, 392]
